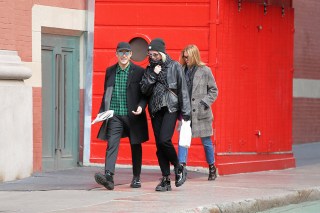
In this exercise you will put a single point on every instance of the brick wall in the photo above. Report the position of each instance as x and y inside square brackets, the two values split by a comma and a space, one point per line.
[306, 116]
[37, 129]
[306, 110]
[306, 40]
[6, 26]
[23, 26]
[16, 35]
[71, 4]
[16, 23]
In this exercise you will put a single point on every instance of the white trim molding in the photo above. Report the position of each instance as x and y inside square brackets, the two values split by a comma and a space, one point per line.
[60, 21]
[306, 88]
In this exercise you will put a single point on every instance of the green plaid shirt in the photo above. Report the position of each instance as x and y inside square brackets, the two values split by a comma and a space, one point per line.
[119, 93]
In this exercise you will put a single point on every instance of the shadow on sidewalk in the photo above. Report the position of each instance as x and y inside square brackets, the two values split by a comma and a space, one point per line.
[306, 154]
[82, 178]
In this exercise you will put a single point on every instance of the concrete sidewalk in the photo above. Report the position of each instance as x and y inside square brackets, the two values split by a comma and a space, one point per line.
[76, 191]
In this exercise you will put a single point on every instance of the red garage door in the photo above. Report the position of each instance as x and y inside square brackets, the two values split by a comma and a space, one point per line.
[249, 49]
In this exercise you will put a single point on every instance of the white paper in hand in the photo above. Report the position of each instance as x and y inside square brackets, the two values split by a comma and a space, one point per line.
[103, 116]
[185, 134]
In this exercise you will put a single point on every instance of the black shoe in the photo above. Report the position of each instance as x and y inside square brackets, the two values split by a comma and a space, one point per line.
[105, 180]
[181, 175]
[212, 172]
[135, 183]
[164, 185]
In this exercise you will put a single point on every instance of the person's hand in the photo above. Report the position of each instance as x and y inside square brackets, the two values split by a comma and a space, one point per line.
[138, 111]
[186, 117]
[204, 104]
[157, 69]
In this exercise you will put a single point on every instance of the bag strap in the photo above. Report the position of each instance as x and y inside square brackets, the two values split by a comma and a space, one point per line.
[168, 89]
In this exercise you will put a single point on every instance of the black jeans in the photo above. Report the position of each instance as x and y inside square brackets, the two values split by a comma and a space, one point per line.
[117, 126]
[163, 124]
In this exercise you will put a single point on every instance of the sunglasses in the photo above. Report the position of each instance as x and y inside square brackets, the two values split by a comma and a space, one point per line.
[120, 53]
[186, 57]
[154, 55]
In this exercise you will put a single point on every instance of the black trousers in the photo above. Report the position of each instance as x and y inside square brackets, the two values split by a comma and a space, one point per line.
[117, 126]
[163, 124]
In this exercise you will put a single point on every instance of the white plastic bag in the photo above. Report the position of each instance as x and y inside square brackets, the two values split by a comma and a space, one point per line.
[185, 134]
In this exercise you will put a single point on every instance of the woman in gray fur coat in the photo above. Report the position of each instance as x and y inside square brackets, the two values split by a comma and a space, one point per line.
[203, 92]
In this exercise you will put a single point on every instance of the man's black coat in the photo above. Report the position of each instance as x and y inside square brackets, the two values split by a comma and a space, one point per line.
[138, 123]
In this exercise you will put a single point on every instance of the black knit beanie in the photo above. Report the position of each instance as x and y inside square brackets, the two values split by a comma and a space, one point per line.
[157, 44]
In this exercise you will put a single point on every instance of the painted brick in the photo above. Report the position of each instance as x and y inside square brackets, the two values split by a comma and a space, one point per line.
[306, 117]
[6, 23]
[306, 41]
[306, 120]
[17, 24]
[37, 129]
[78, 4]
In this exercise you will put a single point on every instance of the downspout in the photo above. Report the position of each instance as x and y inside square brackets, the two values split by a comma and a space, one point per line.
[88, 82]
[213, 43]
[213, 35]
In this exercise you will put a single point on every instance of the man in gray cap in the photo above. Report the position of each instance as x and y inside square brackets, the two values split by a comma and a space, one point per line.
[122, 94]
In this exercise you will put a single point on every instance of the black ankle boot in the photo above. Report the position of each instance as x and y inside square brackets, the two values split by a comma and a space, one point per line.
[136, 182]
[212, 172]
[181, 175]
[164, 185]
[105, 180]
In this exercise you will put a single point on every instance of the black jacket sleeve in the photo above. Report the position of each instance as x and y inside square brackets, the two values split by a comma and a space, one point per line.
[148, 81]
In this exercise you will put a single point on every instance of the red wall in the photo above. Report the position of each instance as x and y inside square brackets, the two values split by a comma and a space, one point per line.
[110, 28]
[253, 68]
[255, 81]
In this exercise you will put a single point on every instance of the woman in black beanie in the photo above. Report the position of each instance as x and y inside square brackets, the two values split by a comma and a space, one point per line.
[165, 85]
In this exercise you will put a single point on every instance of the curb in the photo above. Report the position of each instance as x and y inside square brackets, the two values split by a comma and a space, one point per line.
[258, 205]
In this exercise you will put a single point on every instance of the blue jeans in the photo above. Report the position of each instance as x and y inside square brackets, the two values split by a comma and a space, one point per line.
[208, 149]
